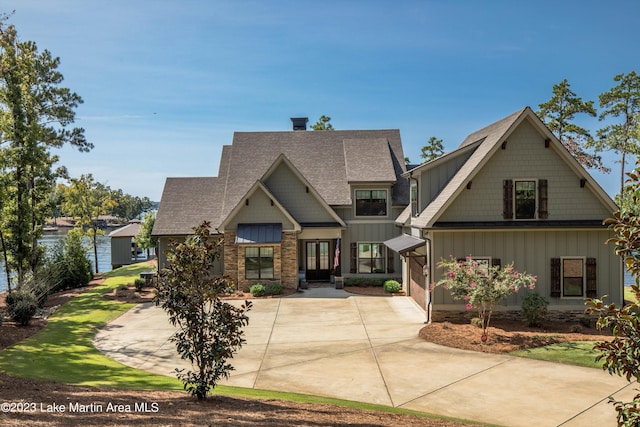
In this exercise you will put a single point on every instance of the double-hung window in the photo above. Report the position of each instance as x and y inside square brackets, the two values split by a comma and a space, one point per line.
[371, 202]
[573, 277]
[258, 262]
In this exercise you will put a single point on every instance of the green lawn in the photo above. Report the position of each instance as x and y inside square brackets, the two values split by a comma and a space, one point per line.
[63, 351]
[579, 353]
[629, 295]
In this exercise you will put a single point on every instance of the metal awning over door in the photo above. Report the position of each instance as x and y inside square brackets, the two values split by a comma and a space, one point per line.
[404, 244]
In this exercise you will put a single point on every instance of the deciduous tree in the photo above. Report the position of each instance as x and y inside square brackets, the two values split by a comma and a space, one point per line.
[36, 114]
[209, 329]
[622, 354]
[86, 200]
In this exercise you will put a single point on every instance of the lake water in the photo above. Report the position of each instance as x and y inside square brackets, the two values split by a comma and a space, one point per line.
[49, 240]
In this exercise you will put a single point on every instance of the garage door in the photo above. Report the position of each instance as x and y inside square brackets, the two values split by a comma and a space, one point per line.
[417, 283]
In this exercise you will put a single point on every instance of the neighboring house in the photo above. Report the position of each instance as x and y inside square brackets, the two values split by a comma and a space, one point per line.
[124, 250]
[296, 205]
[510, 193]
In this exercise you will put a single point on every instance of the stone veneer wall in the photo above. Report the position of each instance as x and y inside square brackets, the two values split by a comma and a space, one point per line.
[285, 262]
[289, 267]
[231, 256]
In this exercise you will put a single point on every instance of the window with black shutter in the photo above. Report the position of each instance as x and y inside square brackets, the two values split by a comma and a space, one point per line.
[353, 268]
[543, 212]
[555, 278]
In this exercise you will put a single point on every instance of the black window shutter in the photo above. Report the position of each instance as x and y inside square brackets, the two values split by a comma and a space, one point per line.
[390, 261]
[354, 258]
[543, 212]
[495, 262]
[592, 286]
[555, 277]
[507, 199]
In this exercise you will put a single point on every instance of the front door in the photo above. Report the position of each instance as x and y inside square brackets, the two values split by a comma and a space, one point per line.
[317, 260]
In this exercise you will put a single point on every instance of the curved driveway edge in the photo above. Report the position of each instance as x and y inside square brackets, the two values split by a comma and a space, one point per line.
[327, 342]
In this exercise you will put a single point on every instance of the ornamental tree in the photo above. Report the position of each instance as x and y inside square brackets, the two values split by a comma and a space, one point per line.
[481, 286]
[209, 329]
[621, 355]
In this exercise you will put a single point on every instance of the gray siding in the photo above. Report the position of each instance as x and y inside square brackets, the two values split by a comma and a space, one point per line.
[293, 195]
[120, 251]
[164, 243]
[374, 232]
[432, 181]
[526, 157]
[531, 251]
[259, 210]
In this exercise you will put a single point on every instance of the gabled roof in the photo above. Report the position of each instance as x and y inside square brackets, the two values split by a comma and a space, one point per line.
[282, 159]
[186, 203]
[326, 160]
[368, 160]
[488, 140]
[258, 185]
[318, 155]
[129, 230]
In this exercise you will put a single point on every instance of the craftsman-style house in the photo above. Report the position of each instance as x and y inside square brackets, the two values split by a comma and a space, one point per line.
[511, 192]
[297, 205]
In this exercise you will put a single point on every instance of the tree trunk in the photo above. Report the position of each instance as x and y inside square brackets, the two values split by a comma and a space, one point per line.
[95, 247]
[6, 261]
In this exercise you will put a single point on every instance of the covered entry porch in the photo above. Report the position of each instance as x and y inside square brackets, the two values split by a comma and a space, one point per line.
[319, 255]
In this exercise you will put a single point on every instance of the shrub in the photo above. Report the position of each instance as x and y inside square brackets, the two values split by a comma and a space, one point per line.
[257, 290]
[69, 266]
[392, 286]
[273, 289]
[22, 306]
[534, 309]
[1, 319]
[365, 281]
[140, 283]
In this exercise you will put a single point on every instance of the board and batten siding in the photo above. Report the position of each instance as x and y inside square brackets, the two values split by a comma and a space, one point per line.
[534, 249]
[525, 157]
[368, 232]
[293, 194]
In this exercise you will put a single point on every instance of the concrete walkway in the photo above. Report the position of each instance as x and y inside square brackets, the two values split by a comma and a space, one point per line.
[327, 342]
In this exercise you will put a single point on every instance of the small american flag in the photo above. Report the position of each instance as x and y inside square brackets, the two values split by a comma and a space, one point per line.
[336, 259]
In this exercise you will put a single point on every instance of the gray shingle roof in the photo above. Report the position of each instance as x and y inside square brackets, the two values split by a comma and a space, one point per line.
[186, 203]
[489, 137]
[328, 160]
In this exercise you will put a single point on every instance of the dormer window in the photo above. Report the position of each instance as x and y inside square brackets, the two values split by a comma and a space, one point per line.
[371, 202]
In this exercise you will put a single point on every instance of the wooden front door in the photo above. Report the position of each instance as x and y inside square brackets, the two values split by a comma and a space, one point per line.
[317, 260]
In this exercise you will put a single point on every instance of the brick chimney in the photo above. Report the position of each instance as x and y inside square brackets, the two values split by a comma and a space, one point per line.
[299, 123]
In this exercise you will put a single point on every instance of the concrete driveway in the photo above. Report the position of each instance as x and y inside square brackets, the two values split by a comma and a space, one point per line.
[327, 342]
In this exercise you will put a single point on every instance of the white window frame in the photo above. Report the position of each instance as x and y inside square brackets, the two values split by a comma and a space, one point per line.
[387, 192]
[535, 198]
[414, 202]
[584, 277]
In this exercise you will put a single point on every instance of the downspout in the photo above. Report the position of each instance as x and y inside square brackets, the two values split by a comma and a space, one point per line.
[427, 278]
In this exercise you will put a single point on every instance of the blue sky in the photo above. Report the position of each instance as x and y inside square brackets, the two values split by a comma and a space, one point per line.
[166, 83]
